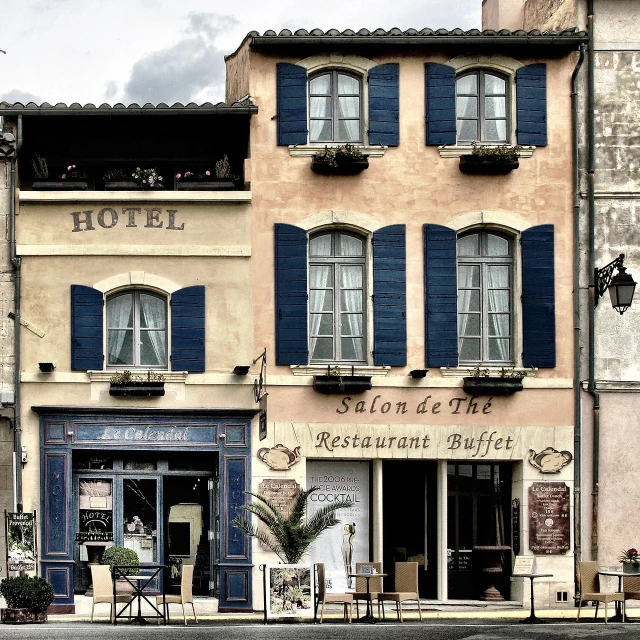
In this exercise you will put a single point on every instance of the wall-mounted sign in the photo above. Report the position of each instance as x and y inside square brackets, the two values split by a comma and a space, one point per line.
[549, 518]
[279, 458]
[21, 541]
[262, 425]
[515, 525]
[281, 491]
[549, 460]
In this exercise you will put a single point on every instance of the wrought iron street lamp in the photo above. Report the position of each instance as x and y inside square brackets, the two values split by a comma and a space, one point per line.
[621, 285]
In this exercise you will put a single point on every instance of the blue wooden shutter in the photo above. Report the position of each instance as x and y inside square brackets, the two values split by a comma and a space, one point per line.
[187, 329]
[390, 296]
[86, 328]
[440, 110]
[384, 104]
[441, 296]
[291, 98]
[292, 346]
[531, 105]
[538, 297]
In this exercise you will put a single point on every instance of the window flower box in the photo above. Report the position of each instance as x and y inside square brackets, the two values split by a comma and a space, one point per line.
[59, 184]
[211, 184]
[494, 386]
[339, 161]
[341, 384]
[490, 161]
[122, 185]
[137, 389]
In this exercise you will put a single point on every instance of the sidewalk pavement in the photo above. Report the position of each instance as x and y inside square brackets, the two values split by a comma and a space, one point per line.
[207, 610]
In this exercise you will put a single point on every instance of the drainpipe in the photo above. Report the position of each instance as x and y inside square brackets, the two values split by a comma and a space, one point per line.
[591, 166]
[16, 263]
[577, 433]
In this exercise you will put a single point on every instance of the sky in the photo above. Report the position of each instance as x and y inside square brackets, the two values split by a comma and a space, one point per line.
[138, 51]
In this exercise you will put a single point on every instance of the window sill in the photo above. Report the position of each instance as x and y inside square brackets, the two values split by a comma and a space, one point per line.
[148, 196]
[320, 370]
[309, 150]
[455, 151]
[169, 376]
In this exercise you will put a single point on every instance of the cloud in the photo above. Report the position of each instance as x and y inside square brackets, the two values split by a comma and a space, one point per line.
[191, 68]
[17, 95]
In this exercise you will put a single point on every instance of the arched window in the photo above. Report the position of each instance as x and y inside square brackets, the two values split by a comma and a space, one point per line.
[485, 298]
[482, 107]
[137, 329]
[337, 278]
[335, 107]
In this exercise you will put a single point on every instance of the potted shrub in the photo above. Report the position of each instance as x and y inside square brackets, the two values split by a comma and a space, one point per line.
[346, 160]
[127, 384]
[336, 382]
[223, 180]
[124, 557]
[119, 180]
[481, 382]
[71, 179]
[27, 599]
[488, 161]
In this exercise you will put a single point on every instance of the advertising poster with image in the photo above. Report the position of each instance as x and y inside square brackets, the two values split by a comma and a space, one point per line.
[348, 542]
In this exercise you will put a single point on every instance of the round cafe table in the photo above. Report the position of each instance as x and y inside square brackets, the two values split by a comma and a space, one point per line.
[367, 576]
[532, 576]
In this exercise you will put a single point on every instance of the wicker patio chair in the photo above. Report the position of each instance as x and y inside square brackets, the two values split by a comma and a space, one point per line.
[406, 588]
[375, 585]
[589, 583]
[322, 595]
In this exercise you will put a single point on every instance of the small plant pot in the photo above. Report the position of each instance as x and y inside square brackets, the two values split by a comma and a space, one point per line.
[137, 389]
[344, 167]
[486, 386]
[342, 384]
[476, 165]
[48, 184]
[631, 567]
[214, 184]
[22, 616]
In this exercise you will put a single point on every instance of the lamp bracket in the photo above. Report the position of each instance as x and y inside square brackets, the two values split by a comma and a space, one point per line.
[260, 385]
[602, 277]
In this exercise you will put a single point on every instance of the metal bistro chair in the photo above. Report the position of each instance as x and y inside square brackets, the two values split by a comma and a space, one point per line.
[406, 588]
[103, 590]
[375, 585]
[589, 583]
[323, 596]
[185, 597]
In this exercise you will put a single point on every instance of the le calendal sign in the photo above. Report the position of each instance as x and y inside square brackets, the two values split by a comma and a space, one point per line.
[549, 519]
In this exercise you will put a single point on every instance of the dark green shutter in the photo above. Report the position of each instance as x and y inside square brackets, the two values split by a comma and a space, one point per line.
[538, 297]
[390, 296]
[440, 109]
[531, 105]
[292, 345]
[188, 329]
[87, 328]
[441, 296]
[291, 99]
[384, 105]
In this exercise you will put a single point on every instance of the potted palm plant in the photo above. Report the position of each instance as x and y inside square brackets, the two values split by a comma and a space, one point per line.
[289, 537]
[484, 160]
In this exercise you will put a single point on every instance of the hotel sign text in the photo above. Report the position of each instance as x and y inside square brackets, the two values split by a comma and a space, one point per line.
[108, 218]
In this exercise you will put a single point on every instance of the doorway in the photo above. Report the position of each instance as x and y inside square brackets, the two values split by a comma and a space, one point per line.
[410, 521]
[478, 515]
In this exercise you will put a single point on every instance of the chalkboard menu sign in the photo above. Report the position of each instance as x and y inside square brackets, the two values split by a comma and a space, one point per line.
[95, 525]
[549, 518]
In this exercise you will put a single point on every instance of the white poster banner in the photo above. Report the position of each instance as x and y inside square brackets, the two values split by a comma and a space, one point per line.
[348, 542]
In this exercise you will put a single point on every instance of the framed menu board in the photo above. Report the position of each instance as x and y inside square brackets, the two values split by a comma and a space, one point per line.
[549, 518]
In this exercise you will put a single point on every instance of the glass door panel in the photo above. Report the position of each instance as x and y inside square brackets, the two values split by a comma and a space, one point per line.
[140, 517]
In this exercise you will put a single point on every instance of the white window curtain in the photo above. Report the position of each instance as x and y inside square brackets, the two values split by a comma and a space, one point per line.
[119, 315]
[153, 317]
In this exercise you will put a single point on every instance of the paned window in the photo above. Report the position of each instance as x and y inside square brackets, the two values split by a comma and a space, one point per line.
[485, 298]
[335, 107]
[137, 329]
[482, 107]
[337, 279]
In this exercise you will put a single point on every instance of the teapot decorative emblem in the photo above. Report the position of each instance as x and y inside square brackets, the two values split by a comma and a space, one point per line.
[549, 460]
[279, 458]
